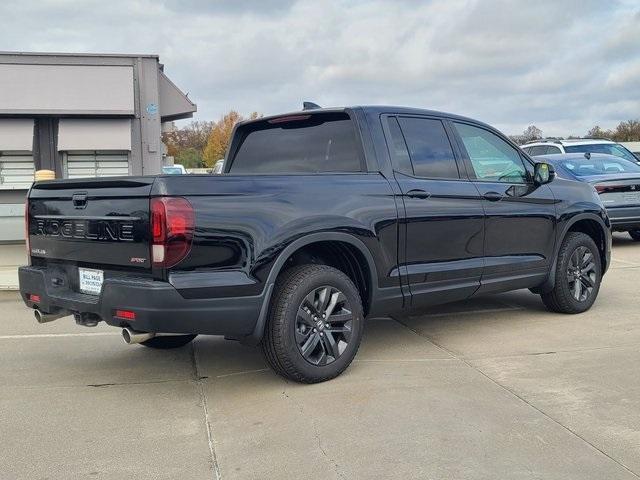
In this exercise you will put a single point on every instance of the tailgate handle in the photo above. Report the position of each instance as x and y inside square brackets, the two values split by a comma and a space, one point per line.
[79, 200]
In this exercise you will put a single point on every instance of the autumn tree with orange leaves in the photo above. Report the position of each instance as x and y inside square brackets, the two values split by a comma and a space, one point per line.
[220, 136]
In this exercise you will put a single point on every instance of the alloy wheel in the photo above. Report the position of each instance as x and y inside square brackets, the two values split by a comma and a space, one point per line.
[581, 273]
[323, 325]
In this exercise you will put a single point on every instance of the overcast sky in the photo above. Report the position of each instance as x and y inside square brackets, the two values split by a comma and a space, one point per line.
[561, 65]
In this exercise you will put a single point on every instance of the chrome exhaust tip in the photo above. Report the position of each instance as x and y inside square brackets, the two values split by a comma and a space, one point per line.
[132, 337]
[42, 317]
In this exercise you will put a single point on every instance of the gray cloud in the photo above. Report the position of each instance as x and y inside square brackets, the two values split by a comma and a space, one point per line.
[563, 65]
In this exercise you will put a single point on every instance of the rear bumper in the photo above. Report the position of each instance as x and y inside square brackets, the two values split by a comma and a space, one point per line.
[624, 218]
[158, 306]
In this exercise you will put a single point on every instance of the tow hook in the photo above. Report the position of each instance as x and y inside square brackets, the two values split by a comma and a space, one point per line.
[86, 319]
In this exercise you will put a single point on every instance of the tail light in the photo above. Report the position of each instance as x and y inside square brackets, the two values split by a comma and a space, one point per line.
[172, 225]
[26, 230]
[612, 188]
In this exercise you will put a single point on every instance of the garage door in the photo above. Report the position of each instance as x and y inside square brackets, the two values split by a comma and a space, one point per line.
[16, 171]
[96, 165]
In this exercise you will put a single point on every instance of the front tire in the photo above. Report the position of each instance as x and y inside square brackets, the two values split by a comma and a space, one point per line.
[315, 324]
[635, 234]
[166, 342]
[578, 275]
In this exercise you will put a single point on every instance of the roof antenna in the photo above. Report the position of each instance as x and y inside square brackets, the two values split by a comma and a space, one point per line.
[587, 155]
[310, 106]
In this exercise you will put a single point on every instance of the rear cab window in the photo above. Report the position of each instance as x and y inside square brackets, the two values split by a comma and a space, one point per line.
[299, 143]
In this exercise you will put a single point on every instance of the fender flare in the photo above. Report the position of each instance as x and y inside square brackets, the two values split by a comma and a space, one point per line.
[297, 244]
[550, 282]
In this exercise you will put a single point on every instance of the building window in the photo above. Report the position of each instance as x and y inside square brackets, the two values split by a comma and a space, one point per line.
[16, 170]
[96, 164]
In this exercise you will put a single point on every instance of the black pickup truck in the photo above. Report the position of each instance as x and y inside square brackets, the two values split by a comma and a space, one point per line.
[321, 218]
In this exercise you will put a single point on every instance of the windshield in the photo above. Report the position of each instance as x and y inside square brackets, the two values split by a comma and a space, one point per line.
[608, 148]
[600, 166]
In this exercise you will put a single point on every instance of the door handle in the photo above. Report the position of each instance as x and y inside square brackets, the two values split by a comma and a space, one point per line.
[417, 194]
[492, 196]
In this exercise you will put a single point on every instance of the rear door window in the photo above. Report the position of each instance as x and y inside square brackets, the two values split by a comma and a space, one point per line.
[537, 150]
[402, 162]
[313, 143]
[429, 148]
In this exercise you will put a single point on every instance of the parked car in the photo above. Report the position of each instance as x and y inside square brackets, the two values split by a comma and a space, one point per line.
[175, 169]
[582, 145]
[323, 217]
[616, 180]
[218, 167]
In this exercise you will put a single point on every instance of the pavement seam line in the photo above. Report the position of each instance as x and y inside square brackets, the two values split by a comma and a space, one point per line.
[244, 372]
[316, 434]
[205, 408]
[522, 399]
[554, 352]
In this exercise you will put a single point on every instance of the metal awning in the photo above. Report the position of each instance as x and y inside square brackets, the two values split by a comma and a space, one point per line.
[16, 134]
[174, 104]
[94, 134]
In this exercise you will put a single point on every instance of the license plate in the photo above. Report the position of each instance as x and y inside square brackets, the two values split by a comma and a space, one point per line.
[90, 280]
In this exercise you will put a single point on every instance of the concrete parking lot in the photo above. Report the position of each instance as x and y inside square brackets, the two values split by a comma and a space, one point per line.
[491, 388]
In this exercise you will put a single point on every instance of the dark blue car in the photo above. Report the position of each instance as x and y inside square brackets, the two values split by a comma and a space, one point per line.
[616, 180]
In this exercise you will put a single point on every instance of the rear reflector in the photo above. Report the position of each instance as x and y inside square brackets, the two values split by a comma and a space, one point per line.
[126, 314]
[34, 298]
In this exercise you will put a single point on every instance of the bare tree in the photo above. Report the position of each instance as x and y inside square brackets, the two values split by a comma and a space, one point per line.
[628, 131]
[529, 134]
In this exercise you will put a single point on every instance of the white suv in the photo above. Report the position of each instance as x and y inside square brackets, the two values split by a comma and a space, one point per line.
[581, 145]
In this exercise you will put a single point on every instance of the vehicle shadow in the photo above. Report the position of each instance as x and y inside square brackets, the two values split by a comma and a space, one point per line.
[217, 358]
[623, 240]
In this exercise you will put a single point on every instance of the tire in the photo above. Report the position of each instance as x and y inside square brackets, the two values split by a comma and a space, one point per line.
[166, 342]
[297, 343]
[578, 275]
[635, 234]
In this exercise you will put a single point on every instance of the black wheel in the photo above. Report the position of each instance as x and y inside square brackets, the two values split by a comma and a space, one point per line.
[315, 324]
[635, 234]
[165, 342]
[578, 275]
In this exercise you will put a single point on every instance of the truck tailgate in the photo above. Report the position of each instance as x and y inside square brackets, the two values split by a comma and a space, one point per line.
[103, 222]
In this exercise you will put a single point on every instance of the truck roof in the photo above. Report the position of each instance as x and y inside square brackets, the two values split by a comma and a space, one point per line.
[372, 109]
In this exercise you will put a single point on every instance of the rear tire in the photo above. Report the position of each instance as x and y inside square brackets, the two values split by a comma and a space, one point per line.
[578, 275]
[166, 342]
[635, 234]
[315, 324]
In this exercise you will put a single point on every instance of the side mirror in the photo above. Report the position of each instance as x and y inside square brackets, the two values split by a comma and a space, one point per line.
[543, 173]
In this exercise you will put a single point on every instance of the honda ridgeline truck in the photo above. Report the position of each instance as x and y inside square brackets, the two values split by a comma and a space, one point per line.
[321, 218]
